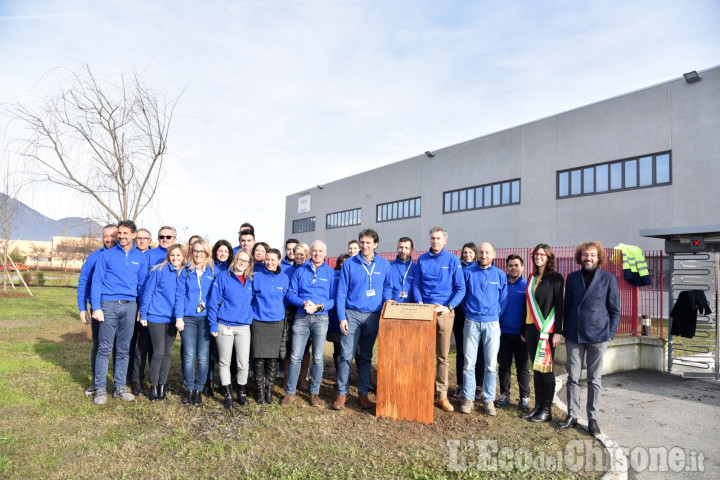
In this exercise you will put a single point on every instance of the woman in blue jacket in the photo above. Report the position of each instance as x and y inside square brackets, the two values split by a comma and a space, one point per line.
[221, 252]
[269, 288]
[230, 315]
[191, 296]
[158, 313]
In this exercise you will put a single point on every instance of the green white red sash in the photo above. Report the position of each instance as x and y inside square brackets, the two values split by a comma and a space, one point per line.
[543, 354]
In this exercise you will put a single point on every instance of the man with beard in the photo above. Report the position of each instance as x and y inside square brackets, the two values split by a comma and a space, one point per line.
[402, 272]
[592, 316]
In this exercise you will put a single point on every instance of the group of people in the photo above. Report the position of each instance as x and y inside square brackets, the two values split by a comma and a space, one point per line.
[250, 305]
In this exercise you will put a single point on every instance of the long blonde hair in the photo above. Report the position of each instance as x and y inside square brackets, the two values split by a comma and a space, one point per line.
[183, 250]
[248, 272]
[208, 256]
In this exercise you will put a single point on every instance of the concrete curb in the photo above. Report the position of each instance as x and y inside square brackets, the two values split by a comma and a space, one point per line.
[618, 460]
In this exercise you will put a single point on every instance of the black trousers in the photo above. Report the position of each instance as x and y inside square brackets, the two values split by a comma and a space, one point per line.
[458, 325]
[141, 353]
[511, 345]
[162, 336]
[544, 382]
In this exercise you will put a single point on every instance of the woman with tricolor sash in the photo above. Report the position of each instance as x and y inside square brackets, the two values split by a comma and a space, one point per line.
[542, 329]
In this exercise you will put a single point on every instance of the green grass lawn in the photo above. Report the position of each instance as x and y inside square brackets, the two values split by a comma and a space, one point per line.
[50, 429]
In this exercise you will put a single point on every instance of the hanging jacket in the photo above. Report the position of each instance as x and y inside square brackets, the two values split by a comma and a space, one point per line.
[684, 313]
[635, 269]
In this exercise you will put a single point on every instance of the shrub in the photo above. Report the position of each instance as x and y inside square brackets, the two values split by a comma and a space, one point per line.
[36, 278]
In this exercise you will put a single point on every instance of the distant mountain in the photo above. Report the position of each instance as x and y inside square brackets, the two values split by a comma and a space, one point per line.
[33, 225]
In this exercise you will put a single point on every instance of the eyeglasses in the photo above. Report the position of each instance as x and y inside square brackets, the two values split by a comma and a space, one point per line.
[144, 239]
[243, 262]
[540, 255]
[166, 237]
[199, 252]
[589, 255]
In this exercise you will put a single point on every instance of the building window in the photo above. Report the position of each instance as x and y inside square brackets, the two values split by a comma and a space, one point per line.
[304, 225]
[387, 212]
[628, 174]
[482, 196]
[345, 218]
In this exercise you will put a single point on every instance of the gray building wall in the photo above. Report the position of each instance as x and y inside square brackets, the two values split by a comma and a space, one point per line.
[674, 116]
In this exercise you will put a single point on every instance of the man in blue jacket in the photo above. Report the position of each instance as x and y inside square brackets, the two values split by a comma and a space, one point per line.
[439, 280]
[116, 287]
[485, 300]
[511, 342]
[167, 236]
[592, 316]
[312, 291]
[289, 253]
[402, 272]
[363, 288]
[83, 294]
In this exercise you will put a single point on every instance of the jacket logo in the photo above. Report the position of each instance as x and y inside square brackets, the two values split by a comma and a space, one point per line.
[445, 268]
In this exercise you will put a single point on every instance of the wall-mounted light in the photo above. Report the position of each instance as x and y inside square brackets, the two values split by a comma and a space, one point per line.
[692, 77]
[320, 187]
[429, 154]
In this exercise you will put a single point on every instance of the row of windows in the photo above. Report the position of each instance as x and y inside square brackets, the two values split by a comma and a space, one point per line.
[304, 225]
[398, 210]
[482, 196]
[343, 219]
[640, 172]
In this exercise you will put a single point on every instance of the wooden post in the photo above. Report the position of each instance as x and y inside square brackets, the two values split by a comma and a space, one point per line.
[406, 363]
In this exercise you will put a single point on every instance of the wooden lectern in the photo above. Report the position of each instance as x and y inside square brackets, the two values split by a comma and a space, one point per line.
[406, 362]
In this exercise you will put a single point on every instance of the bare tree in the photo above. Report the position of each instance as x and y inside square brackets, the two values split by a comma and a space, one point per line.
[8, 209]
[38, 251]
[103, 139]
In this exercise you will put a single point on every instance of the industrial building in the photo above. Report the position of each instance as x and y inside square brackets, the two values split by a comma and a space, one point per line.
[605, 171]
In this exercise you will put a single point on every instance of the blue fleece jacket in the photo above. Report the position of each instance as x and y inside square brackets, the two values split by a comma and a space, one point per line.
[402, 275]
[118, 275]
[354, 284]
[85, 279]
[439, 279]
[156, 256]
[269, 290]
[158, 304]
[316, 285]
[190, 292]
[513, 316]
[230, 301]
[486, 294]
[285, 263]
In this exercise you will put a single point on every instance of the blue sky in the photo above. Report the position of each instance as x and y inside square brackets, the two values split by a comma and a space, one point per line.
[280, 96]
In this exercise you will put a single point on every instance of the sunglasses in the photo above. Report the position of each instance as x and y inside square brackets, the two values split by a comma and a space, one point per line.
[166, 237]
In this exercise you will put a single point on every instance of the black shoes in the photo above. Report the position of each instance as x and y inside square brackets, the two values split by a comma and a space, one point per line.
[154, 397]
[242, 395]
[569, 422]
[227, 393]
[544, 415]
[137, 389]
[162, 394]
[593, 428]
[532, 412]
[197, 398]
[208, 390]
[189, 396]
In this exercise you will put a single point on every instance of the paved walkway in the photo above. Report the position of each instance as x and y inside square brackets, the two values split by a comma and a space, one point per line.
[674, 419]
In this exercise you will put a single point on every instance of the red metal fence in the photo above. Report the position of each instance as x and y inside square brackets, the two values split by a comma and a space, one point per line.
[634, 302]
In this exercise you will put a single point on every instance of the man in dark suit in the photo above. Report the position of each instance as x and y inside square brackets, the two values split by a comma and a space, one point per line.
[592, 316]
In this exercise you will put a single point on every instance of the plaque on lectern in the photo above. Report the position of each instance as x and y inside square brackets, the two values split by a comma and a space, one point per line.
[406, 362]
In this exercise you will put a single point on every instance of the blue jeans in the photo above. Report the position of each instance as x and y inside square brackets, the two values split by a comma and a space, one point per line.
[304, 326]
[362, 330]
[117, 328]
[195, 344]
[487, 333]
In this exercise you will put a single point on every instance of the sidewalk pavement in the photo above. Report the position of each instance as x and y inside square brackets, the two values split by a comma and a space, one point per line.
[643, 410]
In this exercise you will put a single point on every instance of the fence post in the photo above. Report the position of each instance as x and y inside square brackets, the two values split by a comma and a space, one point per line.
[634, 300]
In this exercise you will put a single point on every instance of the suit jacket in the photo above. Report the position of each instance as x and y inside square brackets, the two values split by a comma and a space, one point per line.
[592, 315]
